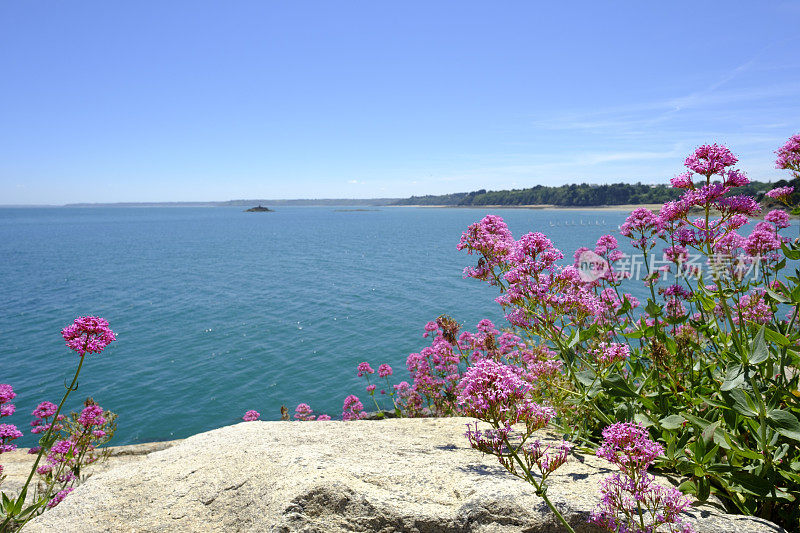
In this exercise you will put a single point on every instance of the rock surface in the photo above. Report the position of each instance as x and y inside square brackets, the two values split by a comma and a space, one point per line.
[400, 475]
[17, 464]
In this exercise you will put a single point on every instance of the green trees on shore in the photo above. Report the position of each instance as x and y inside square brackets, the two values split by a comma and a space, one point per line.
[583, 195]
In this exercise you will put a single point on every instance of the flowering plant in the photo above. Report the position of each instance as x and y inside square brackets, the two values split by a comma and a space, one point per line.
[68, 443]
[707, 364]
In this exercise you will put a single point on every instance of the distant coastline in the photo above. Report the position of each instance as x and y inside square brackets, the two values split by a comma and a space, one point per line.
[547, 207]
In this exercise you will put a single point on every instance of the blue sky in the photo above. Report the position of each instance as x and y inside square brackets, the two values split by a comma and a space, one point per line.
[164, 101]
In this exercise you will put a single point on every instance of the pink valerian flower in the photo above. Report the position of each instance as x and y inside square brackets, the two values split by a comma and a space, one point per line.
[738, 205]
[384, 371]
[546, 461]
[752, 308]
[735, 178]
[6, 393]
[781, 194]
[789, 154]
[61, 452]
[518, 317]
[533, 254]
[430, 327]
[59, 497]
[371, 389]
[705, 195]
[779, 217]
[674, 210]
[8, 432]
[251, 416]
[304, 412]
[682, 181]
[735, 222]
[641, 223]
[605, 244]
[353, 409]
[676, 254]
[40, 425]
[628, 446]
[763, 240]
[675, 308]
[364, 368]
[497, 393]
[7, 410]
[92, 415]
[45, 410]
[608, 353]
[676, 291]
[627, 502]
[321, 418]
[492, 239]
[710, 159]
[88, 334]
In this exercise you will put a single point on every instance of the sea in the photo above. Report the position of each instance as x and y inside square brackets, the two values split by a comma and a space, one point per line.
[218, 311]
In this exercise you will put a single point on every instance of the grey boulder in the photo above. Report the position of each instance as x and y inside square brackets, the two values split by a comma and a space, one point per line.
[400, 475]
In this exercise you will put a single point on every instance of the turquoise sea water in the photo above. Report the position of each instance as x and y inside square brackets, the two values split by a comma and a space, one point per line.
[218, 311]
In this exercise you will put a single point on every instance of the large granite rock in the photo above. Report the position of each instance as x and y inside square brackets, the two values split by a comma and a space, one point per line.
[17, 464]
[401, 475]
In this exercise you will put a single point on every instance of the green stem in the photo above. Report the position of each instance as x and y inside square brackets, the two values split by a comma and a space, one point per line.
[538, 486]
[46, 438]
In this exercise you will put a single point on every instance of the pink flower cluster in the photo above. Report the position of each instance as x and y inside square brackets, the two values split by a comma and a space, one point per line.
[364, 368]
[8, 432]
[59, 497]
[304, 412]
[631, 500]
[353, 409]
[251, 416]
[789, 154]
[497, 393]
[628, 446]
[41, 414]
[66, 456]
[626, 503]
[88, 334]
[492, 239]
[781, 194]
[608, 353]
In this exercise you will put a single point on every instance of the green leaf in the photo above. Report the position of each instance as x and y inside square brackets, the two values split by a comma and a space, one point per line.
[778, 338]
[586, 377]
[672, 422]
[703, 489]
[643, 419]
[586, 334]
[702, 423]
[794, 255]
[616, 385]
[652, 308]
[688, 487]
[743, 403]
[575, 339]
[758, 350]
[751, 484]
[708, 432]
[784, 423]
[734, 377]
[777, 297]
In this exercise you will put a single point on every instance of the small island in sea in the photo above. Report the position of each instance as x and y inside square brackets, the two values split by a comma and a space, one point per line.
[259, 209]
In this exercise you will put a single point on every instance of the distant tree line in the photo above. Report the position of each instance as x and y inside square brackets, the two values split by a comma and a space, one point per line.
[583, 195]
